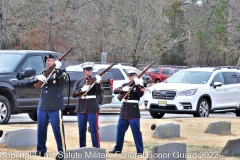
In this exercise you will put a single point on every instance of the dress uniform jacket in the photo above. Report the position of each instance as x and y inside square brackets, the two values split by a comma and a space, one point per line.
[131, 110]
[51, 97]
[87, 105]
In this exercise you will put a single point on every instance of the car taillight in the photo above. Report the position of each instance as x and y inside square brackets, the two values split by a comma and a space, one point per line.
[111, 83]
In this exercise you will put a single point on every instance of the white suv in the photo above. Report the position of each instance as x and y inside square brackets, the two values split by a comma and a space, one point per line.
[197, 91]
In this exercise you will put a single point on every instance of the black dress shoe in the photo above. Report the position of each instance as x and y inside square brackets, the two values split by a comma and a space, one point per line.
[114, 151]
[42, 154]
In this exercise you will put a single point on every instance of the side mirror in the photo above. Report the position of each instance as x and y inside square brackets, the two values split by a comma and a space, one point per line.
[28, 72]
[217, 84]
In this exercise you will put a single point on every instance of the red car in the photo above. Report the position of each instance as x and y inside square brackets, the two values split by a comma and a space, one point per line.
[150, 71]
[162, 73]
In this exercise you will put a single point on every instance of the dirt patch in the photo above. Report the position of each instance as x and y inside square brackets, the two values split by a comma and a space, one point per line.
[199, 144]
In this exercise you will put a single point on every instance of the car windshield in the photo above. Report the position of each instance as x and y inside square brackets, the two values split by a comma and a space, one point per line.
[8, 61]
[190, 77]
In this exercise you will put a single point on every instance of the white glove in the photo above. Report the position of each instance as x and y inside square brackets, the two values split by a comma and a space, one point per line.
[85, 88]
[58, 64]
[136, 80]
[125, 88]
[41, 78]
[98, 78]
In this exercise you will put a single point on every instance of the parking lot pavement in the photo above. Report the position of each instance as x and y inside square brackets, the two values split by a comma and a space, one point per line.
[142, 107]
[117, 110]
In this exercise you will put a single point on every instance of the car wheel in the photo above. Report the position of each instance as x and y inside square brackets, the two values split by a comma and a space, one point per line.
[203, 108]
[72, 112]
[33, 115]
[158, 81]
[5, 110]
[157, 115]
[144, 84]
[238, 113]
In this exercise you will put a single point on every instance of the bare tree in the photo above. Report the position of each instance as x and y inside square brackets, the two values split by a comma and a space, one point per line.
[132, 32]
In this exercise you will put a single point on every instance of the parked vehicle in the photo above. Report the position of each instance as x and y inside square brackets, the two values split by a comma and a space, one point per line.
[119, 77]
[150, 71]
[162, 73]
[146, 79]
[196, 91]
[18, 95]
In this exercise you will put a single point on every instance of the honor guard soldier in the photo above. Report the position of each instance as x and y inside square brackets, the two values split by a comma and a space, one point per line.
[87, 107]
[50, 106]
[130, 113]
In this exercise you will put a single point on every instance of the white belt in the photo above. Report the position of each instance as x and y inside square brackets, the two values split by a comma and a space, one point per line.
[130, 101]
[87, 97]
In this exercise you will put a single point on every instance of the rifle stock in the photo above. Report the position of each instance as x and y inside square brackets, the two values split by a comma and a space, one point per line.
[132, 83]
[38, 84]
[94, 78]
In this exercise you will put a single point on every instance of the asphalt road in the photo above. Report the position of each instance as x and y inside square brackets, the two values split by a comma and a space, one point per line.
[111, 116]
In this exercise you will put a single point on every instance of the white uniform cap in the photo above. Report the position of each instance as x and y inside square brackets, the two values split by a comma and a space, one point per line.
[87, 65]
[131, 71]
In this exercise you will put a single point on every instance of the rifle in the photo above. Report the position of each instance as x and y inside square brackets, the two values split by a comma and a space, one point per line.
[39, 84]
[132, 83]
[92, 82]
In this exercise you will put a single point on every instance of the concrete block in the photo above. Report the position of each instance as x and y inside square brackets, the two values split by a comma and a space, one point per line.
[168, 130]
[19, 138]
[169, 151]
[86, 153]
[219, 127]
[108, 132]
[231, 148]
